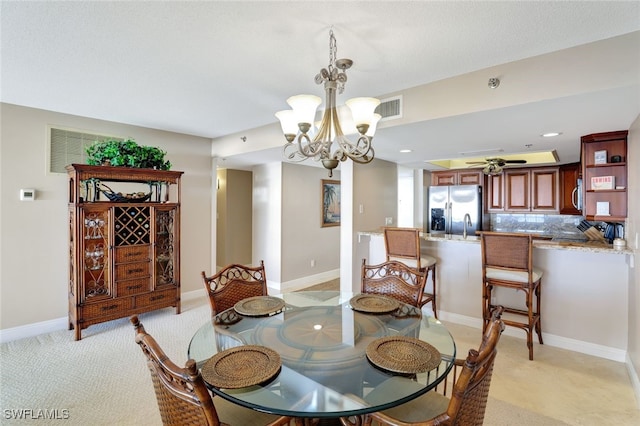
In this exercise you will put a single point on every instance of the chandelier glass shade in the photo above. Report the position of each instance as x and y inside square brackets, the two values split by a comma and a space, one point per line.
[329, 144]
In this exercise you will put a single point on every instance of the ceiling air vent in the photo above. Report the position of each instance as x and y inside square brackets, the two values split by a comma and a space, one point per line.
[390, 108]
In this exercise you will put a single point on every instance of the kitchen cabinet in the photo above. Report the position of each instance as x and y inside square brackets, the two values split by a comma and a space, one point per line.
[524, 190]
[457, 177]
[124, 250]
[545, 194]
[611, 150]
[570, 191]
[517, 183]
[494, 199]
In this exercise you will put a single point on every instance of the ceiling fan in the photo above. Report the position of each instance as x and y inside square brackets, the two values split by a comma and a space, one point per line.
[493, 166]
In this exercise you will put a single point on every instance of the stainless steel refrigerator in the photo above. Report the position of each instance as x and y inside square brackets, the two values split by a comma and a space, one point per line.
[448, 207]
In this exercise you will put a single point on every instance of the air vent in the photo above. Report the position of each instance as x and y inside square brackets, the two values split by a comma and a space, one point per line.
[390, 108]
[68, 147]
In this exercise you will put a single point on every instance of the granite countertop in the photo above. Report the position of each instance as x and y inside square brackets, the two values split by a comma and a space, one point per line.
[545, 243]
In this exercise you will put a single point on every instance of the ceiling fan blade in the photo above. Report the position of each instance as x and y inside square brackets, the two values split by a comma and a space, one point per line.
[476, 162]
[515, 161]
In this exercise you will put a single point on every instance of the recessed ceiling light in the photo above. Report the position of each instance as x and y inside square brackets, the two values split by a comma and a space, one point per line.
[405, 150]
[551, 134]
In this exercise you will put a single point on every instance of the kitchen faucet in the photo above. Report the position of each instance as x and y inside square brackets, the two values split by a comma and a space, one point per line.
[466, 222]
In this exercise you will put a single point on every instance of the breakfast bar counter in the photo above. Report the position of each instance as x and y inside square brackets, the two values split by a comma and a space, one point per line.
[584, 289]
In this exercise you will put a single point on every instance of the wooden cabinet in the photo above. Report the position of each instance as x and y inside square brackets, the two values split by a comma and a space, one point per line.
[456, 177]
[545, 194]
[570, 196]
[494, 198]
[611, 148]
[517, 190]
[124, 253]
[524, 190]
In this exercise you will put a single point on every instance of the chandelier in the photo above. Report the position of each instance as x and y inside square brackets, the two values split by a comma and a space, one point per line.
[329, 145]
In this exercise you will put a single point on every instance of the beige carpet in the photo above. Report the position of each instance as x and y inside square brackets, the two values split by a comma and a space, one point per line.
[103, 379]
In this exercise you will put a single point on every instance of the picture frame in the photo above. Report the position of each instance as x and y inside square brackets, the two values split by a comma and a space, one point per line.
[600, 157]
[330, 203]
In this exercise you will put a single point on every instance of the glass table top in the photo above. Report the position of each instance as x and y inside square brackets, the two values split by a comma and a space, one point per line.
[322, 344]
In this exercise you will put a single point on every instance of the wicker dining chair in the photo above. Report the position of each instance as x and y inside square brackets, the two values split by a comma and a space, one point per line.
[469, 392]
[393, 279]
[234, 283]
[182, 396]
[507, 261]
[403, 245]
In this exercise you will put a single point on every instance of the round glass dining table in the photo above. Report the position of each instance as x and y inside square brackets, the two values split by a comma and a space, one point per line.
[325, 369]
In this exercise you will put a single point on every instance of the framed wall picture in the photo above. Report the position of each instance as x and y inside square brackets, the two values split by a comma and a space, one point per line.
[330, 203]
[600, 157]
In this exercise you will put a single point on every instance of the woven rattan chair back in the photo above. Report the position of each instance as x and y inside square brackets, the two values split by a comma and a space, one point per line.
[393, 279]
[233, 284]
[507, 251]
[183, 398]
[403, 243]
[507, 261]
[469, 393]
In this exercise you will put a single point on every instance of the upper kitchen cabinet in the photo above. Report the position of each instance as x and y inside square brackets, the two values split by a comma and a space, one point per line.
[456, 177]
[570, 190]
[524, 190]
[604, 172]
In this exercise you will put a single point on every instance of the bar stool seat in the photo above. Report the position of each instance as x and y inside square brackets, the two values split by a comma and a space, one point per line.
[403, 245]
[507, 261]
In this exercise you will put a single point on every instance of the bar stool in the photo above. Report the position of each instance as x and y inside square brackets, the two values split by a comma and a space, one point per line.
[507, 261]
[403, 245]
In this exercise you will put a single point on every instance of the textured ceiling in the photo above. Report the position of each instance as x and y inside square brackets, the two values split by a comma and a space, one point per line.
[217, 68]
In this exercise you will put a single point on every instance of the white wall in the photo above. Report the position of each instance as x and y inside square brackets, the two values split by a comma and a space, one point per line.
[34, 248]
[633, 231]
[303, 237]
[376, 190]
[267, 223]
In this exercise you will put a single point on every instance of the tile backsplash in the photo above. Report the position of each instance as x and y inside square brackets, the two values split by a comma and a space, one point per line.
[559, 226]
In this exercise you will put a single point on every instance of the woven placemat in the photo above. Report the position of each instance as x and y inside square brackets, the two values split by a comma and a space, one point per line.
[373, 304]
[401, 354]
[259, 306]
[241, 366]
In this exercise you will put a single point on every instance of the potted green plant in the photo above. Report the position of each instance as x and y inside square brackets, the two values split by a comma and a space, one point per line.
[126, 153]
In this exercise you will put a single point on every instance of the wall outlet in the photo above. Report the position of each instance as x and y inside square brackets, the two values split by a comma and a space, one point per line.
[313, 263]
[388, 221]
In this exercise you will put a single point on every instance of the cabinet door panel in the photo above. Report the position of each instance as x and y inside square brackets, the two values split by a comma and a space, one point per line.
[470, 178]
[517, 190]
[569, 175]
[544, 190]
[495, 193]
[443, 178]
[95, 253]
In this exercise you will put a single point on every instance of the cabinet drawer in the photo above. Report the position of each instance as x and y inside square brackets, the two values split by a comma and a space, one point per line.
[128, 254]
[164, 297]
[129, 287]
[114, 308]
[132, 270]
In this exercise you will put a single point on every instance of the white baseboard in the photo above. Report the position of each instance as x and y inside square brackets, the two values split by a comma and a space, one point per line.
[304, 282]
[587, 348]
[635, 381]
[35, 329]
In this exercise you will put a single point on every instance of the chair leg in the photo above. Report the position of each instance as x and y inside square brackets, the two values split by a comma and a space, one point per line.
[538, 323]
[433, 301]
[530, 325]
[486, 305]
